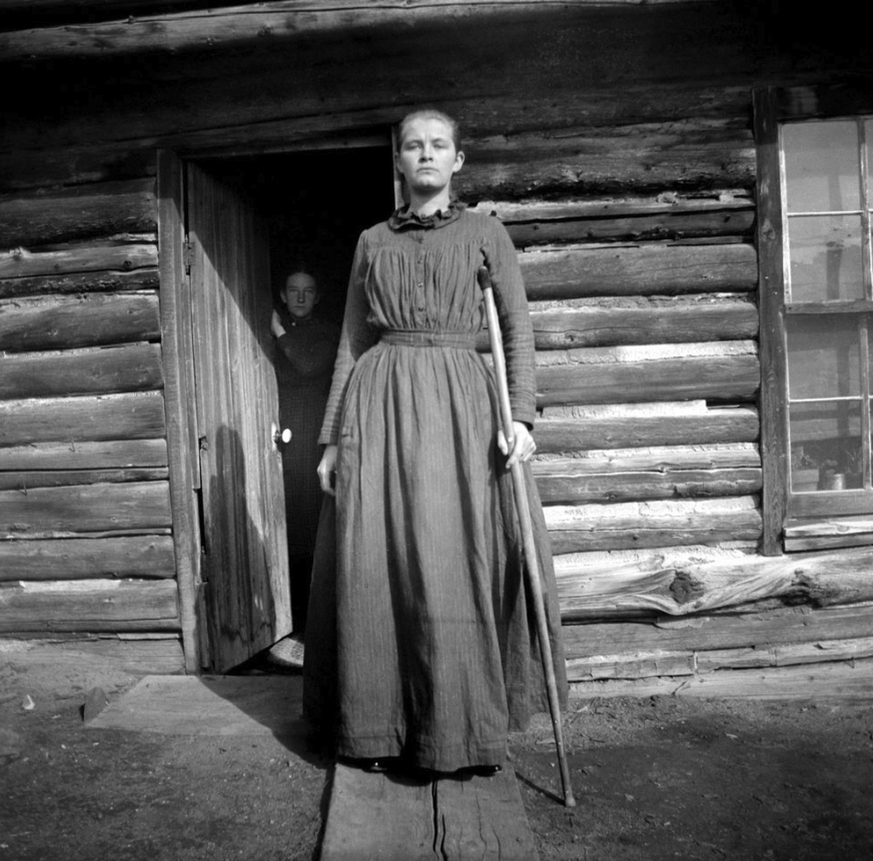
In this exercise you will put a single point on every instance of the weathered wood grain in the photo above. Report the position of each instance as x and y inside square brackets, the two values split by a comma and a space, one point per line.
[651, 474]
[624, 320]
[89, 605]
[131, 653]
[144, 556]
[98, 210]
[726, 372]
[137, 415]
[83, 320]
[122, 256]
[48, 512]
[623, 431]
[649, 269]
[652, 524]
[25, 481]
[80, 282]
[132, 368]
[114, 454]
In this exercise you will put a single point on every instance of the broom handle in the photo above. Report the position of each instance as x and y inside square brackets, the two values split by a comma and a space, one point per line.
[530, 553]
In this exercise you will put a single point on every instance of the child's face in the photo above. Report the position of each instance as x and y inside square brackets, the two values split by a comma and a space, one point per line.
[300, 295]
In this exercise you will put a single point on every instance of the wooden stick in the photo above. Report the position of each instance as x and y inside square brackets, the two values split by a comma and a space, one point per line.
[530, 553]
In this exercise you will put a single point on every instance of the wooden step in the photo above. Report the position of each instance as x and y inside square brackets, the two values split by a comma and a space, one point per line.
[397, 818]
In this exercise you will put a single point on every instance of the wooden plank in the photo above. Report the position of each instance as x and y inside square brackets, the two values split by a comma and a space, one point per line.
[110, 454]
[815, 652]
[48, 512]
[25, 481]
[99, 209]
[144, 556]
[137, 415]
[85, 320]
[403, 819]
[80, 282]
[628, 430]
[652, 524]
[786, 625]
[839, 680]
[91, 654]
[611, 321]
[648, 269]
[104, 370]
[89, 605]
[121, 256]
[726, 372]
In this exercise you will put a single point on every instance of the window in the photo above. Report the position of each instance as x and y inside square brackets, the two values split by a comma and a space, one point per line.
[815, 202]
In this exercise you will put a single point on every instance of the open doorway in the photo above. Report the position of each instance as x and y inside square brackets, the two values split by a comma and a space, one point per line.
[251, 222]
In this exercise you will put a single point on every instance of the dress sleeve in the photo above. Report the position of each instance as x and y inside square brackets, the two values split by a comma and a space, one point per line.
[515, 323]
[356, 338]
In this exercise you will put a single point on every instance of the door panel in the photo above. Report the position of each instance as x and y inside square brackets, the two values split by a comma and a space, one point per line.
[245, 562]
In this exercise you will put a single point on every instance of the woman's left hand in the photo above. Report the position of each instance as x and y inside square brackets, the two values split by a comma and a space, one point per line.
[523, 446]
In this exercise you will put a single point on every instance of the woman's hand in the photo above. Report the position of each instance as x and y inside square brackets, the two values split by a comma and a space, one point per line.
[276, 326]
[523, 446]
[327, 469]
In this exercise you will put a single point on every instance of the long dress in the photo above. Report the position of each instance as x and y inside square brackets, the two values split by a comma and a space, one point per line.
[303, 373]
[424, 646]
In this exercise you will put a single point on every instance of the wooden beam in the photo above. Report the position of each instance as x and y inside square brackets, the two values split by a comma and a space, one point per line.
[84, 320]
[639, 270]
[89, 605]
[84, 212]
[115, 454]
[131, 368]
[124, 257]
[144, 556]
[80, 282]
[708, 426]
[28, 480]
[138, 415]
[49, 512]
[721, 372]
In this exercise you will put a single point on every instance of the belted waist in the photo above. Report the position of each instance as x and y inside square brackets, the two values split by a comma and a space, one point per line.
[421, 338]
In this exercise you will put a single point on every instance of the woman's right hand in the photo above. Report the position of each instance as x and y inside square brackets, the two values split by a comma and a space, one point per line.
[327, 469]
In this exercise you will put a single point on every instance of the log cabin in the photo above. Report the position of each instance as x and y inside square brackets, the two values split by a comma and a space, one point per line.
[688, 185]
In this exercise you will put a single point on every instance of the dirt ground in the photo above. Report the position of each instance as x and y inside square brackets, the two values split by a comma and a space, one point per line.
[655, 779]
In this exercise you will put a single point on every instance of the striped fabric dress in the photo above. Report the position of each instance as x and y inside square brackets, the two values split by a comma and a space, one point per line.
[421, 639]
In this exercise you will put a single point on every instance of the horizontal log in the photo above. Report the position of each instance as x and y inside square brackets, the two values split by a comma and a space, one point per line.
[823, 533]
[89, 605]
[602, 322]
[840, 680]
[84, 320]
[650, 269]
[25, 481]
[132, 416]
[624, 431]
[144, 556]
[652, 524]
[132, 368]
[101, 209]
[79, 510]
[820, 579]
[80, 282]
[91, 656]
[785, 625]
[122, 256]
[638, 666]
[112, 454]
[725, 372]
[663, 473]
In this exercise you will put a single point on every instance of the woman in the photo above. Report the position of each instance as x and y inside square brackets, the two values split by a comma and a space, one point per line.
[308, 347]
[425, 651]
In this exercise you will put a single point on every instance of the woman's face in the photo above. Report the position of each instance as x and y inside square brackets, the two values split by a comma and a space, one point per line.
[427, 157]
[300, 295]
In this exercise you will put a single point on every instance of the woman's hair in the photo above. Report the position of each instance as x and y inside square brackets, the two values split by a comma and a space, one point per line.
[430, 114]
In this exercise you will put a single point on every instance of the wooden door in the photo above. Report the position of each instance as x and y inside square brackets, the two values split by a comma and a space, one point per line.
[245, 560]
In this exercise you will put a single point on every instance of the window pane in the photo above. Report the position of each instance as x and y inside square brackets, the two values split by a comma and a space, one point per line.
[821, 167]
[823, 357]
[825, 446]
[825, 255]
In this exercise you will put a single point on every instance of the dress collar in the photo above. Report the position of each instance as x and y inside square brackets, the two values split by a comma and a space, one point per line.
[404, 218]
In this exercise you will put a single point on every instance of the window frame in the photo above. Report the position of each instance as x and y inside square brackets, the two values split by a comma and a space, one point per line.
[784, 512]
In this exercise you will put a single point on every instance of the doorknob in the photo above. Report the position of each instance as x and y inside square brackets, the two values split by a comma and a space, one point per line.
[281, 435]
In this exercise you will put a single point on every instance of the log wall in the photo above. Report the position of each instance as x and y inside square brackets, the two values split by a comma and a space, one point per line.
[615, 144]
